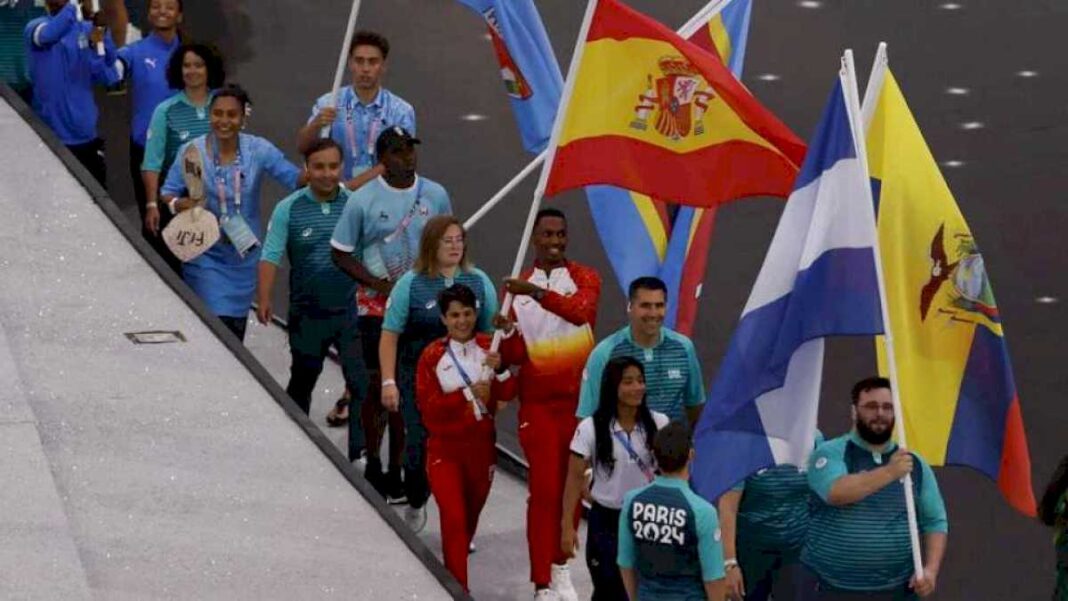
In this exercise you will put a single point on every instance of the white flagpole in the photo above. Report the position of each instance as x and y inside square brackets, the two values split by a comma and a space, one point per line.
[95, 6]
[550, 153]
[696, 22]
[849, 86]
[875, 86]
[518, 179]
[343, 59]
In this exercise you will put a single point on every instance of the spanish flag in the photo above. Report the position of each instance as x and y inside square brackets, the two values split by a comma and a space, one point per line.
[653, 113]
[954, 376]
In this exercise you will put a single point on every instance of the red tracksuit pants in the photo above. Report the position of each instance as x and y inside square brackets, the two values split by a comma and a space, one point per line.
[460, 476]
[545, 432]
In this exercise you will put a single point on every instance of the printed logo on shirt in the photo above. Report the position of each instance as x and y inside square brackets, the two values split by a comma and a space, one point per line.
[659, 523]
[151, 62]
[431, 305]
[183, 135]
[306, 233]
[821, 463]
[674, 374]
[383, 216]
[424, 211]
[761, 472]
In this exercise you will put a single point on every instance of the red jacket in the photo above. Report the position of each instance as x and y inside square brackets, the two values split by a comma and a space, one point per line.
[554, 336]
[450, 416]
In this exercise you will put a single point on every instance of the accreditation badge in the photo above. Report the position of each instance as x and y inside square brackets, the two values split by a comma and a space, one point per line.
[240, 234]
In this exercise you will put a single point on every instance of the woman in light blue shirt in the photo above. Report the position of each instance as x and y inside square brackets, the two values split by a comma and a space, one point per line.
[234, 166]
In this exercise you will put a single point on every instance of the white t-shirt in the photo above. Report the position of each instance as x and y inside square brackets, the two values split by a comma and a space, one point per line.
[608, 489]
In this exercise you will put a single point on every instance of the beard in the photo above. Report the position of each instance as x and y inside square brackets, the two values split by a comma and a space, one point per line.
[869, 435]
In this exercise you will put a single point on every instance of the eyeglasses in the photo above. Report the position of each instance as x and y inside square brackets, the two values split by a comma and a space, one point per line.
[453, 241]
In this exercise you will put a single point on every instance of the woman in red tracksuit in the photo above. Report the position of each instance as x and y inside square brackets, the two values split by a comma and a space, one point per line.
[457, 389]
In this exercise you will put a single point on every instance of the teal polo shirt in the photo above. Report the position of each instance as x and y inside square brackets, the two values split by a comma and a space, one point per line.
[671, 537]
[773, 513]
[301, 228]
[673, 378]
[865, 546]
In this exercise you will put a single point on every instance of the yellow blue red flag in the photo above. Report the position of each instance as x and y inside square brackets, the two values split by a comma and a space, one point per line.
[696, 135]
[954, 375]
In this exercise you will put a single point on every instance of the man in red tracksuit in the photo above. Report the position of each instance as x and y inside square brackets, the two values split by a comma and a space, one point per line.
[457, 396]
[554, 311]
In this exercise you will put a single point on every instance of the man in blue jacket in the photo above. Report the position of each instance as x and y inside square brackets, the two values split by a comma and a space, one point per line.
[65, 63]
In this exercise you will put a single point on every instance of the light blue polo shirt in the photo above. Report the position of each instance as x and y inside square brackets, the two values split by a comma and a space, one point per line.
[369, 228]
[358, 125]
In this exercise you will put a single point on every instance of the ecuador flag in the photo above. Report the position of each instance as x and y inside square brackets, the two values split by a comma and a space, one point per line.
[653, 113]
[955, 379]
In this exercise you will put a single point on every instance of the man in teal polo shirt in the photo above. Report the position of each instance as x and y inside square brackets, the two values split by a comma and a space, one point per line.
[669, 538]
[858, 543]
[322, 312]
[673, 381]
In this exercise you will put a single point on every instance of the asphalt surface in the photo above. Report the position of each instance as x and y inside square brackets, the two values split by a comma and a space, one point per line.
[1003, 137]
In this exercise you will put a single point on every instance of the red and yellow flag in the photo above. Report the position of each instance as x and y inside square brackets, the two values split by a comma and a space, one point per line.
[656, 114]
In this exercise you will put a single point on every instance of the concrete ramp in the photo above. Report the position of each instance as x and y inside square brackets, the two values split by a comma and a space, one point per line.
[167, 471]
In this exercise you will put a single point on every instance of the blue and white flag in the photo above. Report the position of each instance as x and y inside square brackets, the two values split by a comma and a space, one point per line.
[528, 66]
[818, 280]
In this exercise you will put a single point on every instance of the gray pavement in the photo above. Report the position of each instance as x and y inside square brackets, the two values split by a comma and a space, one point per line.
[498, 570]
[151, 472]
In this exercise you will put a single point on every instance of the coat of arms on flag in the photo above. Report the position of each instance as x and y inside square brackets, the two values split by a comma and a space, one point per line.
[514, 81]
[680, 98]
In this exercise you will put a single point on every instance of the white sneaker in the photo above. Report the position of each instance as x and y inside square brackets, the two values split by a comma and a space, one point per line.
[561, 583]
[415, 518]
[546, 594]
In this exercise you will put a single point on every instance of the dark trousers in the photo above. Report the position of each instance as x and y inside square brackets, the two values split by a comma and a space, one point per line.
[137, 155]
[368, 415]
[310, 339]
[602, 545]
[416, 485]
[91, 154]
[237, 325]
[778, 571]
[825, 592]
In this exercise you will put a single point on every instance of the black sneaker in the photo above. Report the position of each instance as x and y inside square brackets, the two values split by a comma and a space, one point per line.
[374, 476]
[394, 488]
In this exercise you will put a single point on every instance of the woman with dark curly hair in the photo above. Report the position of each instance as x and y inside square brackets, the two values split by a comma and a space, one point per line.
[616, 444]
[196, 70]
[1053, 511]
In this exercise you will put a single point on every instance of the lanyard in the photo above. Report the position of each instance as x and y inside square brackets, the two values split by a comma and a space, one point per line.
[350, 131]
[407, 220]
[220, 180]
[625, 441]
[478, 407]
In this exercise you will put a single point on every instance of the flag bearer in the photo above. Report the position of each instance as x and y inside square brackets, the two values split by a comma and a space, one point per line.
[363, 111]
[457, 402]
[64, 66]
[555, 307]
[858, 540]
